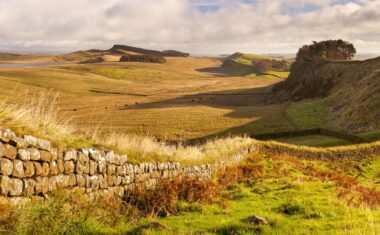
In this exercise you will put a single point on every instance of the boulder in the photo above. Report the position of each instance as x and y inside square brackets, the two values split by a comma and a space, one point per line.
[257, 220]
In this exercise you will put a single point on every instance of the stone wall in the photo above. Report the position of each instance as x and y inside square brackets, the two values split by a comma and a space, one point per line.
[334, 153]
[32, 167]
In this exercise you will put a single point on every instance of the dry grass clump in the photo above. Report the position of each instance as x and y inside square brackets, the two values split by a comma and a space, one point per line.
[36, 114]
[145, 148]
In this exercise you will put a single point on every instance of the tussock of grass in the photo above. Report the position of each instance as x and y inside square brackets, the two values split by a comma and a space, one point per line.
[36, 114]
[141, 148]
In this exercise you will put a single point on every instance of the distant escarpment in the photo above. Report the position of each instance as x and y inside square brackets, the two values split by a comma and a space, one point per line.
[123, 49]
[243, 64]
[114, 54]
[326, 70]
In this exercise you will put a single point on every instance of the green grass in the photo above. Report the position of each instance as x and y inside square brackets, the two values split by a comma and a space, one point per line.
[247, 58]
[371, 135]
[278, 74]
[309, 114]
[314, 141]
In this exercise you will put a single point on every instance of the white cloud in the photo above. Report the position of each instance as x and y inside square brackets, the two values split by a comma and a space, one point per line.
[256, 26]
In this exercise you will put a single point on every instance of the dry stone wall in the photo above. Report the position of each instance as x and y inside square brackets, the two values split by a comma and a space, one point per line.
[32, 167]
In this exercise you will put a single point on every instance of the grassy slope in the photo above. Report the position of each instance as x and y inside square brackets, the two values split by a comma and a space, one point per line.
[295, 196]
[292, 202]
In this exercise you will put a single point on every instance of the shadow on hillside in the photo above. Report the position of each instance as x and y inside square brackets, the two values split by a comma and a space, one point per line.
[254, 103]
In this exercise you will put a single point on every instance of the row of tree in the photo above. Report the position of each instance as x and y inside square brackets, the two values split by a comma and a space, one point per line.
[330, 49]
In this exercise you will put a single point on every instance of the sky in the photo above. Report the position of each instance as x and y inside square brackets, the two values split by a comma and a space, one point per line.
[195, 26]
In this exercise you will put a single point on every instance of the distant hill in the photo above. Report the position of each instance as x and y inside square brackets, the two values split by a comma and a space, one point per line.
[352, 88]
[243, 64]
[114, 54]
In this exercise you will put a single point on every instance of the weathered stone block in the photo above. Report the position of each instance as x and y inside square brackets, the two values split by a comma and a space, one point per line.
[93, 168]
[72, 180]
[35, 154]
[61, 166]
[60, 154]
[81, 180]
[110, 157]
[94, 155]
[54, 168]
[37, 168]
[69, 167]
[4, 185]
[2, 150]
[103, 181]
[16, 187]
[42, 185]
[123, 159]
[102, 167]
[6, 166]
[23, 154]
[120, 170]
[5, 134]
[62, 181]
[110, 180]
[43, 144]
[18, 169]
[45, 156]
[45, 169]
[111, 169]
[52, 186]
[117, 180]
[54, 154]
[19, 142]
[82, 158]
[10, 152]
[70, 155]
[29, 170]
[29, 187]
[31, 140]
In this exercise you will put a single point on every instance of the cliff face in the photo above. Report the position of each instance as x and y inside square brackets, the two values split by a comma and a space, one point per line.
[352, 86]
[311, 79]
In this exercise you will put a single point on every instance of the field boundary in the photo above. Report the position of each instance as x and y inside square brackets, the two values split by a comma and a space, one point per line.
[316, 131]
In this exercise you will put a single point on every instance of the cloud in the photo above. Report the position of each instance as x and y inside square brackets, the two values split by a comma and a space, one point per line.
[204, 26]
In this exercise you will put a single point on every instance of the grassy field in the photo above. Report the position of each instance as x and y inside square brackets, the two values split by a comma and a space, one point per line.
[175, 101]
[171, 101]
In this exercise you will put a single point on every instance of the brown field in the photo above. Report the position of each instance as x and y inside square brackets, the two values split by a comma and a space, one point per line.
[172, 101]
